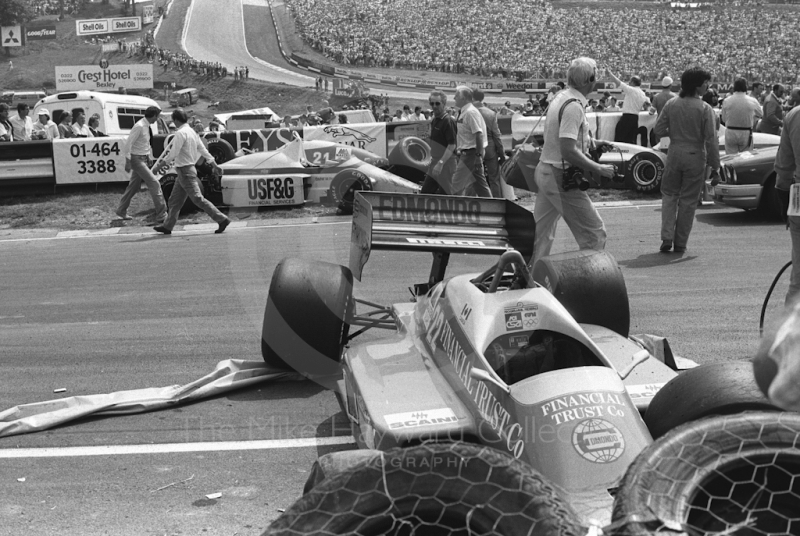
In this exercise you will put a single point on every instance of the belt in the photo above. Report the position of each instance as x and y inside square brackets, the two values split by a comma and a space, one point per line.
[140, 155]
[467, 150]
[739, 128]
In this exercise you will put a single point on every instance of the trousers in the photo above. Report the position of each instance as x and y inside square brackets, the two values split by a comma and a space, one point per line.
[793, 293]
[443, 183]
[140, 172]
[684, 176]
[738, 141]
[578, 211]
[469, 171]
[188, 185]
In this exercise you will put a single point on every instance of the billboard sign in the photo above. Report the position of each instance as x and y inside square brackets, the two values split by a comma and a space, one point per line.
[93, 77]
[104, 26]
[11, 36]
[40, 33]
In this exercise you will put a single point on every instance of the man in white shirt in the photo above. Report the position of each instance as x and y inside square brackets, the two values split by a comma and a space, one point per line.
[44, 128]
[22, 124]
[740, 113]
[406, 116]
[471, 142]
[418, 115]
[79, 126]
[633, 102]
[138, 155]
[185, 150]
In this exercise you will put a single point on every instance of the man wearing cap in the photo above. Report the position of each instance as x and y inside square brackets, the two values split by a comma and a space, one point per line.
[185, 150]
[740, 113]
[634, 100]
[138, 154]
[44, 128]
[665, 95]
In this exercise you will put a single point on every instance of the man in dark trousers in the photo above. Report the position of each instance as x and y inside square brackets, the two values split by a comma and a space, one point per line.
[495, 155]
[439, 177]
[471, 146]
[184, 150]
[628, 126]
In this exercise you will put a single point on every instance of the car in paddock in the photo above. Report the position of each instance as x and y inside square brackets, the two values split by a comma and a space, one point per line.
[747, 181]
[301, 171]
[636, 167]
[511, 401]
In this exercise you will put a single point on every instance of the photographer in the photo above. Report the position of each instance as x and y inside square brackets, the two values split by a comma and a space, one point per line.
[564, 159]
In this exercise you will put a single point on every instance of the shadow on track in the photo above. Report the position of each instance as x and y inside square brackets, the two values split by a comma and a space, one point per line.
[648, 260]
[735, 219]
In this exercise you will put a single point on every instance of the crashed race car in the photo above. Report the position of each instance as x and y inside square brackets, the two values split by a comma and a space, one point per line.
[299, 172]
[509, 401]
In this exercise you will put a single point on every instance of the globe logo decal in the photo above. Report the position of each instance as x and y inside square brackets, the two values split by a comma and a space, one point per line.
[598, 441]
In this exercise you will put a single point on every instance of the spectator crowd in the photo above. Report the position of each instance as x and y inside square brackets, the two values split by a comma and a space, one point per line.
[518, 40]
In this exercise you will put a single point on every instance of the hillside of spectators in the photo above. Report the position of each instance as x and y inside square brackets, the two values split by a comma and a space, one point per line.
[519, 40]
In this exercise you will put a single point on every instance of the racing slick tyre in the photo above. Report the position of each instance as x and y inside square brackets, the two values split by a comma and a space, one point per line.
[589, 284]
[305, 320]
[221, 150]
[646, 171]
[714, 389]
[732, 474]
[432, 489]
[167, 183]
[410, 159]
[344, 186]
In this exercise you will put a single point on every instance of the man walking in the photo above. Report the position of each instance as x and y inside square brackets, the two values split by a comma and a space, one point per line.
[495, 154]
[566, 145]
[137, 158]
[439, 177]
[773, 111]
[185, 149]
[740, 113]
[471, 142]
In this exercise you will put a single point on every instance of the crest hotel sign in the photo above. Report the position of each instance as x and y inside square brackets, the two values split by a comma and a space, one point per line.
[76, 77]
[105, 26]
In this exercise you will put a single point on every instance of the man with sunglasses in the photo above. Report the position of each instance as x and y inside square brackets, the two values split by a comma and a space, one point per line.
[439, 177]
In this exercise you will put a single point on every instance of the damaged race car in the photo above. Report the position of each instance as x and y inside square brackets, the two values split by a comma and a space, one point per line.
[299, 172]
[510, 401]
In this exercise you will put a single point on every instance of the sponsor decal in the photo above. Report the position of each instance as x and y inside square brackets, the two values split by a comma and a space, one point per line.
[521, 316]
[11, 36]
[275, 189]
[343, 154]
[444, 242]
[433, 209]
[648, 390]
[598, 441]
[584, 405]
[399, 421]
[337, 131]
[465, 312]
[441, 336]
[101, 26]
[518, 341]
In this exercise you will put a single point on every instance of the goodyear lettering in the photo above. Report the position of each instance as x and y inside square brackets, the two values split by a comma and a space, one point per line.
[431, 209]
[583, 406]
[270, 188]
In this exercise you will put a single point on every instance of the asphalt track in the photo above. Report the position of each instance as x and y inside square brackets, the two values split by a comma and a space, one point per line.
[108, 313]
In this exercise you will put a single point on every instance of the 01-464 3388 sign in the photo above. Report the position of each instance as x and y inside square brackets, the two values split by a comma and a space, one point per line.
[89, 160]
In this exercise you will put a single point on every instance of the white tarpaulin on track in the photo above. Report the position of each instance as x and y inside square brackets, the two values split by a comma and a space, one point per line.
[228, 375]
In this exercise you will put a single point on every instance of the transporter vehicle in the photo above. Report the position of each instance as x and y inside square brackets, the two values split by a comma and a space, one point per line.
[503, 402]
[747, 181]
[184, 97]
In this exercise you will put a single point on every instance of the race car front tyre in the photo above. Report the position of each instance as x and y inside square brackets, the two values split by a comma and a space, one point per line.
[221, 150]
[305, 320]
[433, 488]
[411, 152]
[732, 474]
[714, 389]
[589, 284]
[344, 186]
[167, 184]
[646, 171]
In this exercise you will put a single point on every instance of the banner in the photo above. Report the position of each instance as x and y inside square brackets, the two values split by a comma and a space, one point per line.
[148, 14]
[40, 33]
[104, 26]
[76, 77]
[11, 36]
[89, 160]
[369, 136]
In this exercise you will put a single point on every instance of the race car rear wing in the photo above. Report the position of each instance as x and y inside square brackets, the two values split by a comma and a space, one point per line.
[439, 224]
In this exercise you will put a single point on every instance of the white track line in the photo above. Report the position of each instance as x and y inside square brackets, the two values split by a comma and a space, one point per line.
[172, 448]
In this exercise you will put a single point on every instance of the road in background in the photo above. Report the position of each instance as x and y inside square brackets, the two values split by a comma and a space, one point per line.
[95, 315]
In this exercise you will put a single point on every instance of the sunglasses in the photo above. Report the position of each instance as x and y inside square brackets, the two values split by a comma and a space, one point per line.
[435, 103]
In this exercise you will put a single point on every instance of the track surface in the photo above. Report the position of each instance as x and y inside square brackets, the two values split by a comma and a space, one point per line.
[104, 314]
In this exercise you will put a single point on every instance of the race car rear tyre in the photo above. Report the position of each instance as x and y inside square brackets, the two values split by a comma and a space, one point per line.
[305, 320]
[589, 284]
[411, 152]
[433, 488]
[167, 184]
[646, 171]
[221, 150]
[715, 476]
[714, 389]
[344, 186]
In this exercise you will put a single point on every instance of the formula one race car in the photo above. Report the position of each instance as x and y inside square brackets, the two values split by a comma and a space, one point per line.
[503, 402]
[299, 172]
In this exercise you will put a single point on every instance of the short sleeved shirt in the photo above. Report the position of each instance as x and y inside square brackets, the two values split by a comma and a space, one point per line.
[573, 125]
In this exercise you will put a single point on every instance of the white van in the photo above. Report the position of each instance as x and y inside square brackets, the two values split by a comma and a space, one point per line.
[13, 98]
[118, 113]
